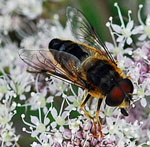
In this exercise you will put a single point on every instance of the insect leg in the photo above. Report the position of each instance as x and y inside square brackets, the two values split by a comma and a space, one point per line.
[87, 97]
[97, 116]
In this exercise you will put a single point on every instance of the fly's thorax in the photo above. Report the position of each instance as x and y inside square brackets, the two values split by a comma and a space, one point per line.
[101, 74]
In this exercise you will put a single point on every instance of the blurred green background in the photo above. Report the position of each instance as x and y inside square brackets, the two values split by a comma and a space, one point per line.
[97, 11]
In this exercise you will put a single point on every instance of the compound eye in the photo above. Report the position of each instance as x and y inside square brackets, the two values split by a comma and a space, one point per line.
[115, 97]
[126, 85]
[117, 94]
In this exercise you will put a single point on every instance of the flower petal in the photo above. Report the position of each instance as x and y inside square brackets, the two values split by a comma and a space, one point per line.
[120, 39]
[142, 37]
[54, 113]
[46, 121]
[143, 102]
[129, 40]
[116, 28]
[109, 45]
[137, 30]
[34, 119]
[130, 25]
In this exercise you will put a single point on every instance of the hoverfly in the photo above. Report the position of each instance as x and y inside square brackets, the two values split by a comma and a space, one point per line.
[86, 63]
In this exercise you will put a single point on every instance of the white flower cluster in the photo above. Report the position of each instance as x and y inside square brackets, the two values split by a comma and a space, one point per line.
[50, 109]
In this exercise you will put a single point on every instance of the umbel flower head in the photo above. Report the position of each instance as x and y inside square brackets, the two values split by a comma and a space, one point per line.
[64, 130]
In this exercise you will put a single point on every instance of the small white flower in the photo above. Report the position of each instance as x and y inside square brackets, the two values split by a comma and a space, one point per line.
[59, 119]
[8, 136]
[5, 24]
[22, 84]
[36, 126]
[118, 49]
[4, 87]
[45, 141]
[144, 29]
[38, 100]
[7, 109]
[139, 54]
[74, 125]
[8, 7]
[58, 137]
[30, 8]
[5, 115]
[28, 42]
[124, 32]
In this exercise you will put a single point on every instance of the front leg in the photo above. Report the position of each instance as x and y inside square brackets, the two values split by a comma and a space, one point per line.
[85, 100]
[97, 116]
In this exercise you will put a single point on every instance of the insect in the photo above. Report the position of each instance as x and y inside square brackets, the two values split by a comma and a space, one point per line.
[86, 63]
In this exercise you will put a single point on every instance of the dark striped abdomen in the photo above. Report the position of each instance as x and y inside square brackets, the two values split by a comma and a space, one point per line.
[69, 47]
[103, 75]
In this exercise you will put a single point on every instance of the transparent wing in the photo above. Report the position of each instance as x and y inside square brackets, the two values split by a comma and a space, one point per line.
[84, 32]
[55, 63]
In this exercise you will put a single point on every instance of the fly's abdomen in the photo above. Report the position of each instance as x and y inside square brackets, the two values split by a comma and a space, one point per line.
[69, 47]
[102, 75]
